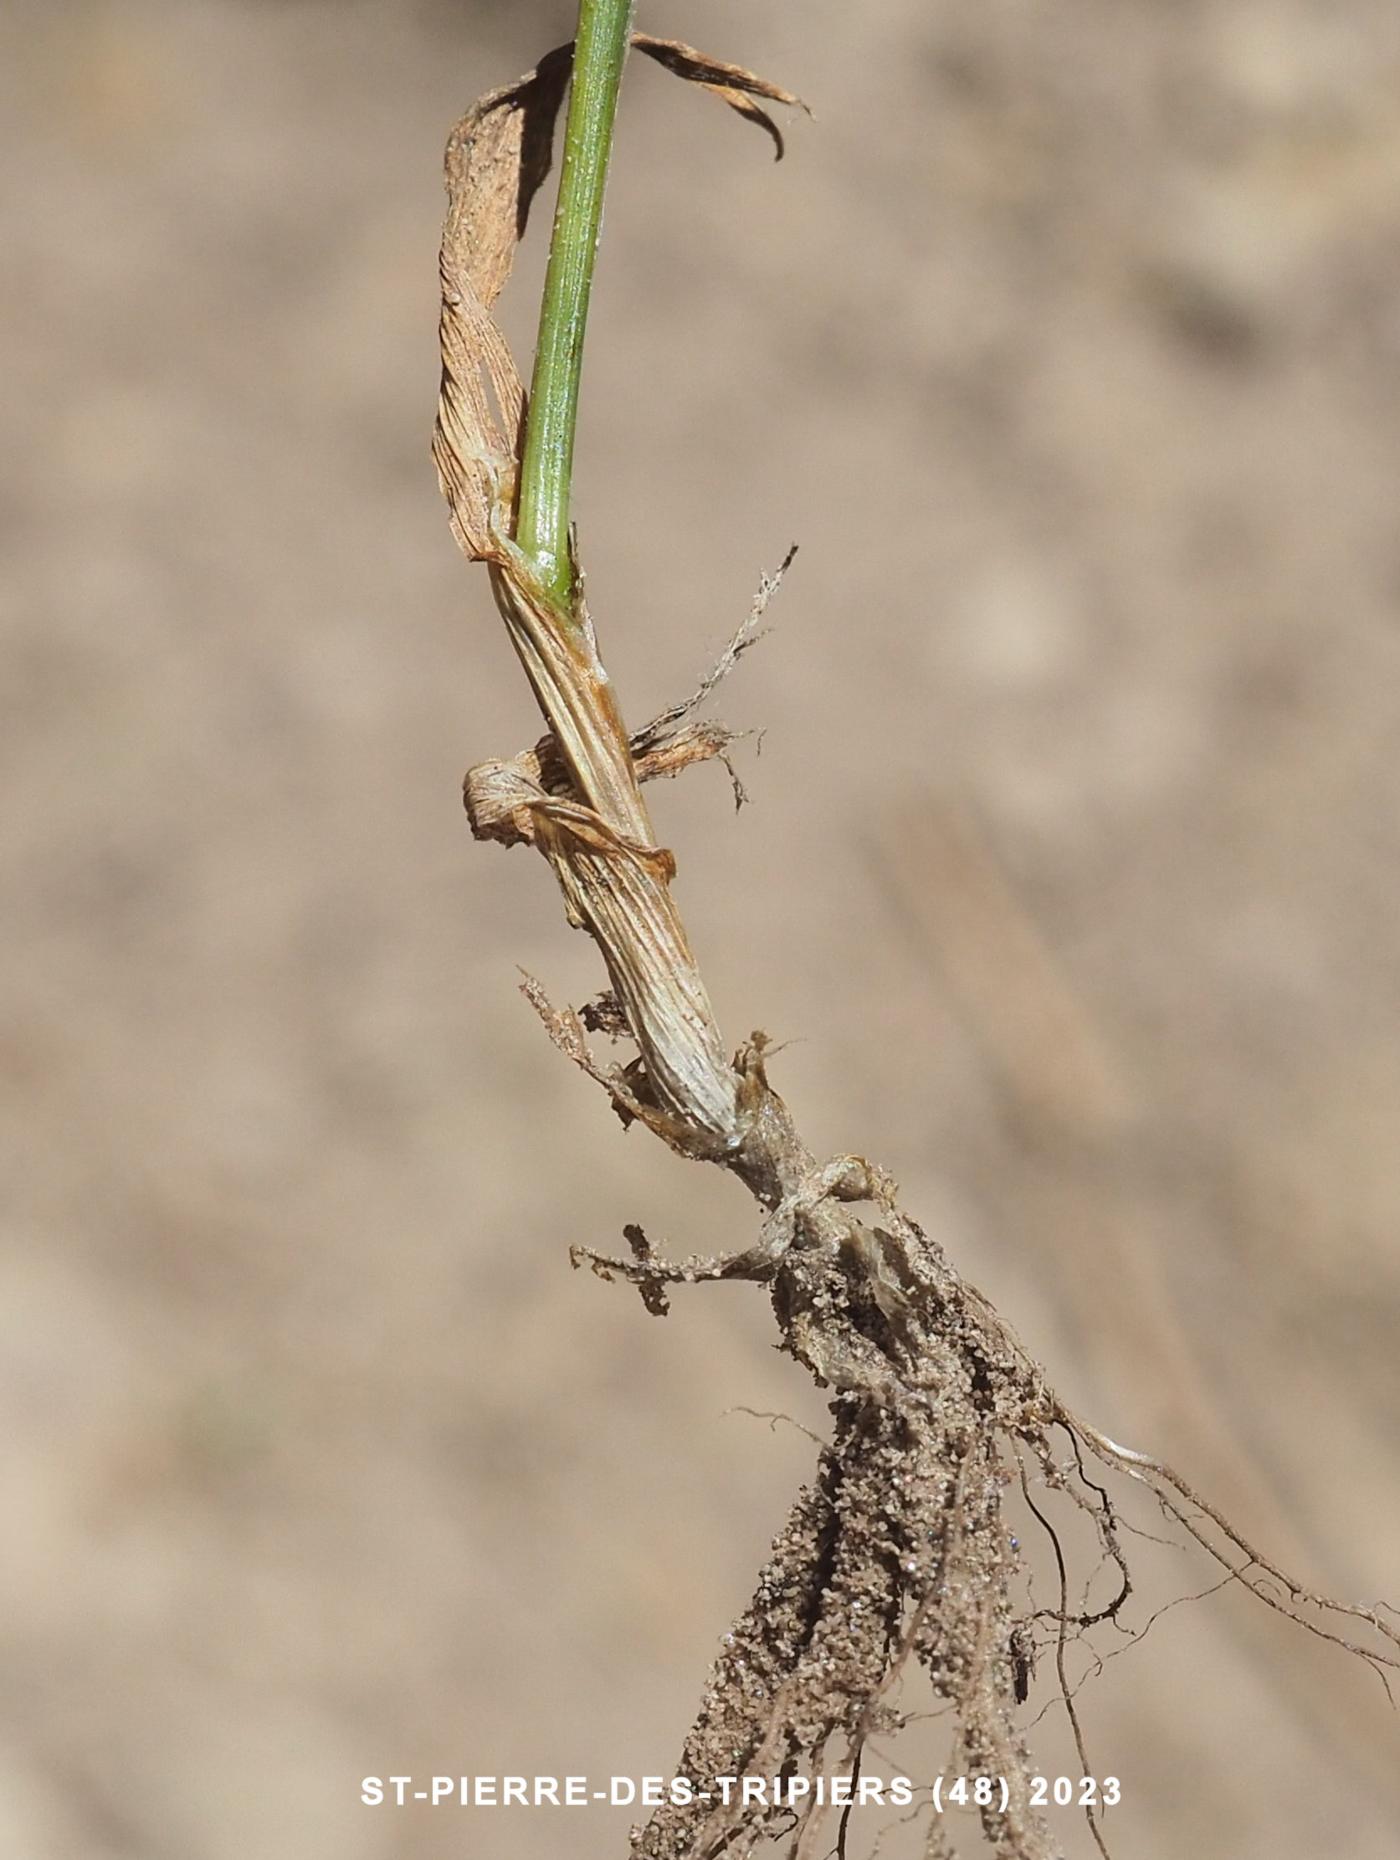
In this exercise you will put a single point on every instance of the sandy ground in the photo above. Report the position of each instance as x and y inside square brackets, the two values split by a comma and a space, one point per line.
[1067, 345]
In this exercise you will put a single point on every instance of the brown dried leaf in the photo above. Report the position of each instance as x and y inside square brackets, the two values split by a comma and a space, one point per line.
[496, 158]
[732, 84]
[687, 745]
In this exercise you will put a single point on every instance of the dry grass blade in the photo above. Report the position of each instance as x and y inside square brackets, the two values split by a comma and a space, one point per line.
[732, 84]
[496, 159]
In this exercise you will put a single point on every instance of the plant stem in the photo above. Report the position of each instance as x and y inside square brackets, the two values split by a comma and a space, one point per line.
[546, 472]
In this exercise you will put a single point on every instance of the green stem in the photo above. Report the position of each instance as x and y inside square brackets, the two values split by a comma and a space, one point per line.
[546, 472]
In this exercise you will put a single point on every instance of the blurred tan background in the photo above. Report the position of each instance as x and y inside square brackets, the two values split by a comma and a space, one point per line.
[1067, 345]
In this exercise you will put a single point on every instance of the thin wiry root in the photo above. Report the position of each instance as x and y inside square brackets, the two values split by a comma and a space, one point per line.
[775, 1421]
[1060, 1671]
[1290, 1598]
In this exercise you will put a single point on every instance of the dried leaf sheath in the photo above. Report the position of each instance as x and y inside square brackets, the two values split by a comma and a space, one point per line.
[598, 837]
[577, 698]
[496, 158]
[614, 878]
